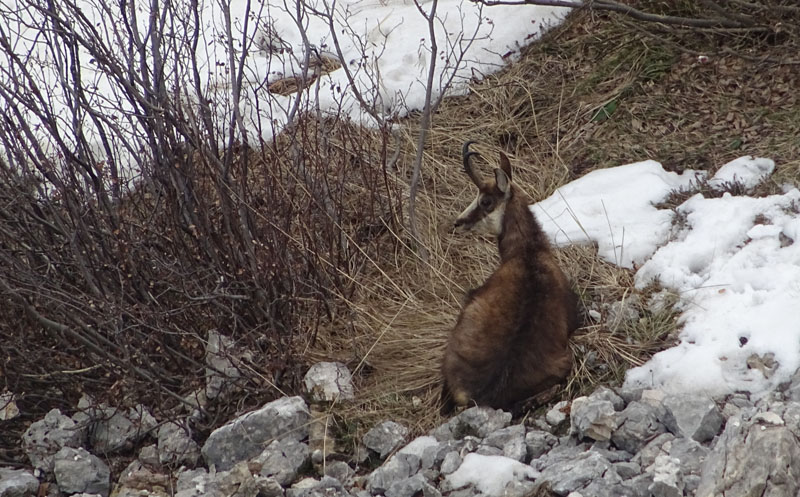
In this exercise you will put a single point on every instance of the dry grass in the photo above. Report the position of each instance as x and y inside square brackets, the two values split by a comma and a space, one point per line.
[593, 94]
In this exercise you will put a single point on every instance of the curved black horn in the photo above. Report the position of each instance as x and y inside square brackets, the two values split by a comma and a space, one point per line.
[466, 154]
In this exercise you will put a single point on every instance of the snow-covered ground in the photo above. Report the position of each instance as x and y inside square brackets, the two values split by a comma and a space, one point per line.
[735, 261]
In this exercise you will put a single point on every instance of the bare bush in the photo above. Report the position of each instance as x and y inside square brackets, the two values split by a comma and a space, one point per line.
[138, 209]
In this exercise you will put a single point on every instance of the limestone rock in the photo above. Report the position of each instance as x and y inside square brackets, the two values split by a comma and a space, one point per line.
[282, 460]
[692, 416]
[478, 421]
[538, 442]
[568, 476]
[310, 487]
[246, 436]
[399, 467]
[510, 440]
[114, 430]
[593, 417]
[47, 436]
[175, 446]
[413, 486]
[76, 471]
[8, 406]
[667, 477]
[329, 381]
[17, 483]
[221, 372]
[752, 459]
[385, 438]
[638, 423]
[557, 415]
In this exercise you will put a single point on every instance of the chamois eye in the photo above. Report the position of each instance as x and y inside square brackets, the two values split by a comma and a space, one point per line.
[486, 202]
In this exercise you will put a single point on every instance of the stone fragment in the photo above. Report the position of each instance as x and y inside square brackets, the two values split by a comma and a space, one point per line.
[8, 406]
[282, 460]
[769, 418]
[752, 459]
[690, 453]
[399, 467]
[176, 446]
[637, 424]
[246, 436]
[137, 480]
[47, 436]
[17, 483]
[76, 471]
[510, 441]
[149, 455]
[658, 446]
[113, 430]
[627, 470]
[593, 418]
[477, 421]
[413, 486]
[557, 414]
[385, 438]
[538, 442]
[238, 482]
[571, 475]
[692, 416]
[221, 372]
[605, 393]
[667, 477]
[451, 462]
[329, 381]
[339, 470]
[325, 487]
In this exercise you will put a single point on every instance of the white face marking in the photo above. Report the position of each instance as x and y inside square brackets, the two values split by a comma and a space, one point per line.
[491, 224]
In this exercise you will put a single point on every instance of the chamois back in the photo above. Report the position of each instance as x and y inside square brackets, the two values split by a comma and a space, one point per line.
[511, 340]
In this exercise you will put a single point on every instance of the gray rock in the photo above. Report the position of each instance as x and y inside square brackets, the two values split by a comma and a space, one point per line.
[136, 480]
[557, 415]
[690, 453]
[415, 485]
[399, 467]
[113, 430]
[246, 436]
[538, 442]
[593, 418]
[606, 450]
[638, 423]
[793, 390]
[639, 484]
[329, 381]
[560, 454]
[433, 456]
[221, 372]
[692, 416]
[149, 455]
[17, 483]
[339, 470]
[660, 445]
[510, 440]
[627, 470]
[385, 438]
[752, 459]
[571, 475]
[282, 460]
[667, 477]
[520, 488]
[310, 487]
[451, 462]
[606, 488]
[76, 471]
[791, 417]
[605, 393]
[8, 406]
[477, 421]
[47, 436]
[175, 445]
[631, 394]
[237, 482]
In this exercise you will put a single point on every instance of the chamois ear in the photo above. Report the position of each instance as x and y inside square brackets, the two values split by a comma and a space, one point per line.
[502, 180]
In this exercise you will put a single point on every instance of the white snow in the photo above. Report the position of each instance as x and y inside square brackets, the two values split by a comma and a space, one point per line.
[488, 474]
[614, 208]
[385, 44]
[734, 262]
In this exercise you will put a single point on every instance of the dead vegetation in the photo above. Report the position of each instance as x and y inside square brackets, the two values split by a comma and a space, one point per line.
[597, 92]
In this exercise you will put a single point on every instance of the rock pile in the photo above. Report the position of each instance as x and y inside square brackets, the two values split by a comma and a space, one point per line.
[610, 443]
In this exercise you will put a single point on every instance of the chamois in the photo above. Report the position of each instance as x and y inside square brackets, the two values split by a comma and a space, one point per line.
[511, 340]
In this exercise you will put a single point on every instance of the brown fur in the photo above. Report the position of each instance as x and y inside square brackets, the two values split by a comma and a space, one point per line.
[511, 340]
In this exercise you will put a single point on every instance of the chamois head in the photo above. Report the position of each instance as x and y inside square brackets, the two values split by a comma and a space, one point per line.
[485, 213]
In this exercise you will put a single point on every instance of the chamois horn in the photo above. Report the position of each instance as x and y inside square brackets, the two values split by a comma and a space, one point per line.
[466, 153]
